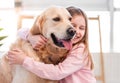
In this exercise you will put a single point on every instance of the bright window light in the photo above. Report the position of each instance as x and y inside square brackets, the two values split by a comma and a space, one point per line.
[116, 3]
[116, 32]
[6, 3]
[8, 22]
[94, 40]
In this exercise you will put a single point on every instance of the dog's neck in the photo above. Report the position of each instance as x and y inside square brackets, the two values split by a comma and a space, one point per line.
[53, 54]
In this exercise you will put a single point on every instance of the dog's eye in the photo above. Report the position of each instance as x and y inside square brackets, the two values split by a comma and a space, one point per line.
[56, 19]
[70, 19]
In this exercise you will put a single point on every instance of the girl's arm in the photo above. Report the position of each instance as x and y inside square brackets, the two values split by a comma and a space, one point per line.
[35, 40]
[23, 33]
[73, 62]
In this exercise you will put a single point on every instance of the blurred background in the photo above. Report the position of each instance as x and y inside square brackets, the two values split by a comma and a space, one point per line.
[104, 29]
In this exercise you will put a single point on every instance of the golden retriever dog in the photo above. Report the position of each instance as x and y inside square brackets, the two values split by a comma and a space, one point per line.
[54, 24]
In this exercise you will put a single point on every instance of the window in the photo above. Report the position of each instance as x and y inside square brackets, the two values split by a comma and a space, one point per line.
[6, 4]
[8, 21]
[94, 42]
[116, 3]
[116, 27]
[116, 42]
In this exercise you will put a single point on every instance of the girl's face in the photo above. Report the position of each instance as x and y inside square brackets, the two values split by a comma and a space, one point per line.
[78, 22]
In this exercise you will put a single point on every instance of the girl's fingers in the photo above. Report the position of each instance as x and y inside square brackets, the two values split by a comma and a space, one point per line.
[12, 52]
[39, 44]
[37, 47]
[11, 59]
[11, 55]
[43, 38]
[17, 50]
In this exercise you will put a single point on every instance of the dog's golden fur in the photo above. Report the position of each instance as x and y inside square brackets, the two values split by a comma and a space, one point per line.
[49, 53]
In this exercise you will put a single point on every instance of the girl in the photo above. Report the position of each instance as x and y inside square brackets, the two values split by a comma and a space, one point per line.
[78, 65]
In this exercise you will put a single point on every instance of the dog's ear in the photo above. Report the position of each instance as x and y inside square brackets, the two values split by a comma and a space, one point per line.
[37, 26]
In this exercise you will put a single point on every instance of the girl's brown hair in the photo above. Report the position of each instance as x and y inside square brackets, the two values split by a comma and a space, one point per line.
[77, 11]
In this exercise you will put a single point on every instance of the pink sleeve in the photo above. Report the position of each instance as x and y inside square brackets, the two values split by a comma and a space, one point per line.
[72, 63]
[23, 33]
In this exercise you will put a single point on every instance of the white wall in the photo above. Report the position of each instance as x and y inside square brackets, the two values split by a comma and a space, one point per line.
[85, 4]
[111, 66]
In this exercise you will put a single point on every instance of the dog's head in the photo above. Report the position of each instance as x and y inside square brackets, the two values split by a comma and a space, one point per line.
[54, 24]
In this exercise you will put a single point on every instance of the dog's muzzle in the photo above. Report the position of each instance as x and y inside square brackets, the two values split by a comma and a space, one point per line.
[66, 42]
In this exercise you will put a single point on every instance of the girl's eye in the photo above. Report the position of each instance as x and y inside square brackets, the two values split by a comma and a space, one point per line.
[82, 28]
[56, 19]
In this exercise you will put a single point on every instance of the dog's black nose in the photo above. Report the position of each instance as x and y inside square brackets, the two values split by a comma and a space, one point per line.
[71, 32]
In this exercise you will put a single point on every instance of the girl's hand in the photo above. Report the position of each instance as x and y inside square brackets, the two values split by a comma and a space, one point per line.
[36, 40]
[16, 56]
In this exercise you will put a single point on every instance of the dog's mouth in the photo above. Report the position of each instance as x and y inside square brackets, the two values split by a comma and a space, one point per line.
[62, 42]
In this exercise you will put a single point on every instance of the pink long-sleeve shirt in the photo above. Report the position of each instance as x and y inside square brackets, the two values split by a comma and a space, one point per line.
[73, 69]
